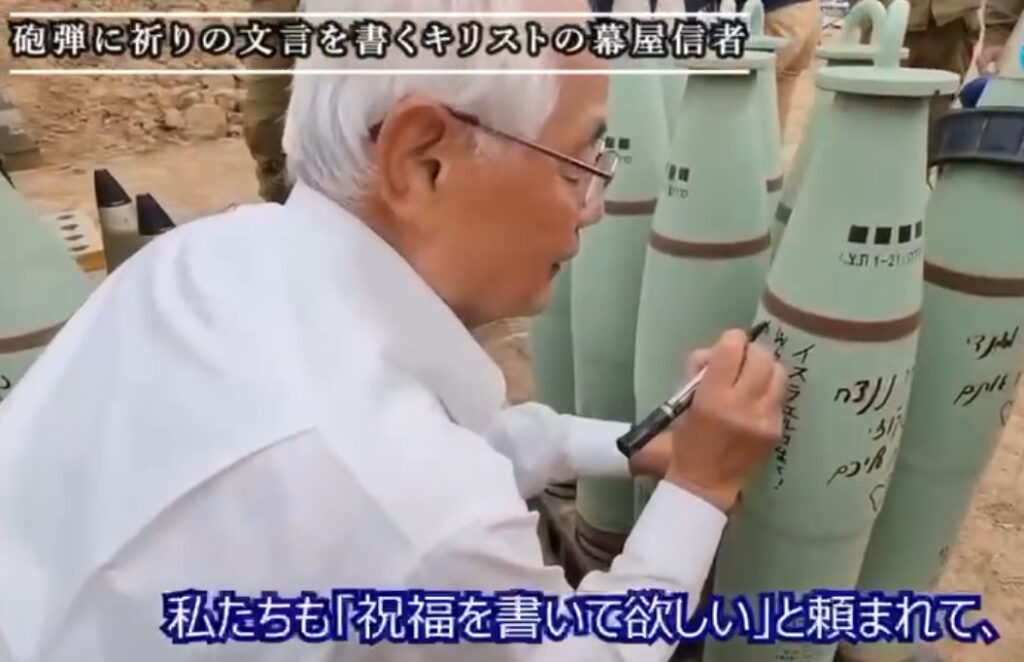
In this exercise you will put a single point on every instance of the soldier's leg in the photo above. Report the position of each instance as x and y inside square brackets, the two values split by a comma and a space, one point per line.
[949, 47]
[800, 23]
[20, 150]
[263, 111]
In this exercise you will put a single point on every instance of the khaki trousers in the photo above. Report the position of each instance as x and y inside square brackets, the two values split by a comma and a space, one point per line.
[949, 47]
[800, 23]
[266, 102]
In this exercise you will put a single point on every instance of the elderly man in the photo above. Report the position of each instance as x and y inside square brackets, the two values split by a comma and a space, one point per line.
[287, 398]
[266, 100]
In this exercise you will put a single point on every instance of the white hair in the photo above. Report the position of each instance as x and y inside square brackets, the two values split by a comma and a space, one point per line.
[326, 134]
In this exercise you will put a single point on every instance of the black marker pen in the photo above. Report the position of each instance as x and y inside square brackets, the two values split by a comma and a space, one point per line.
[659, 419]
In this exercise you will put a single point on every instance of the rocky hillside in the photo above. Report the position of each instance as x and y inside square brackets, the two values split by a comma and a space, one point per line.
[76, 117]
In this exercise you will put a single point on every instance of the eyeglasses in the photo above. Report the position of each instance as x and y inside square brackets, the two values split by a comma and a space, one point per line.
[597, 175]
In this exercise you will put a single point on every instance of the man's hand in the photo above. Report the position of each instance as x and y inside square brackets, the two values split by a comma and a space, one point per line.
[989, 58]
[652, 461]
[734, 422]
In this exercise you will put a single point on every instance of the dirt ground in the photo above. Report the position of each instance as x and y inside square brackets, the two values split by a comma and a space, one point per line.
[140, 129]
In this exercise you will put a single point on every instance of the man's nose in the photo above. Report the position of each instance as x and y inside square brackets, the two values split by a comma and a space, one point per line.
[593, 212]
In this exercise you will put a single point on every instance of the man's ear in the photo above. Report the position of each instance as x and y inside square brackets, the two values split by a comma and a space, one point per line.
[413, 147]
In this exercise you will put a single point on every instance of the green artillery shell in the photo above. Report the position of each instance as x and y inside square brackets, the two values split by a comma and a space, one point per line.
[551, 358]
[606, 290]
[969, 359]
[845, 51]
[708, 253]
[843, 298]
[551, 348]
[768, 109]
[41, 286]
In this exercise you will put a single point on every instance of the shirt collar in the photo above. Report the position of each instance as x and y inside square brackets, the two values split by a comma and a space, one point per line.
[423, 335]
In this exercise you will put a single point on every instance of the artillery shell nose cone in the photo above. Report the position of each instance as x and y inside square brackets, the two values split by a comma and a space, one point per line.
[109, 192]
[153, 218]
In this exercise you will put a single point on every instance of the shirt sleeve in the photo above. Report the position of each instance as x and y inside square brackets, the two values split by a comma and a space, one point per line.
[671, 548]
[545, 446]
[1000, 18]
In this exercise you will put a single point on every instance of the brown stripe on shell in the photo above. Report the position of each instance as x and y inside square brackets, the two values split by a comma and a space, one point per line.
[31, 340]
[630, 208]
[839, 329]
[708, 250]
[977, 285]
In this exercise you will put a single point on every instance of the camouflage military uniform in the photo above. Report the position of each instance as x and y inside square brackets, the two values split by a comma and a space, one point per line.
[943, 34]
[265, 105]
[1000, 18]
[18, 149]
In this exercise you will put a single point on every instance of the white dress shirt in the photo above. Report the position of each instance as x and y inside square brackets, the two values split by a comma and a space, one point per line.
[272, 399]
